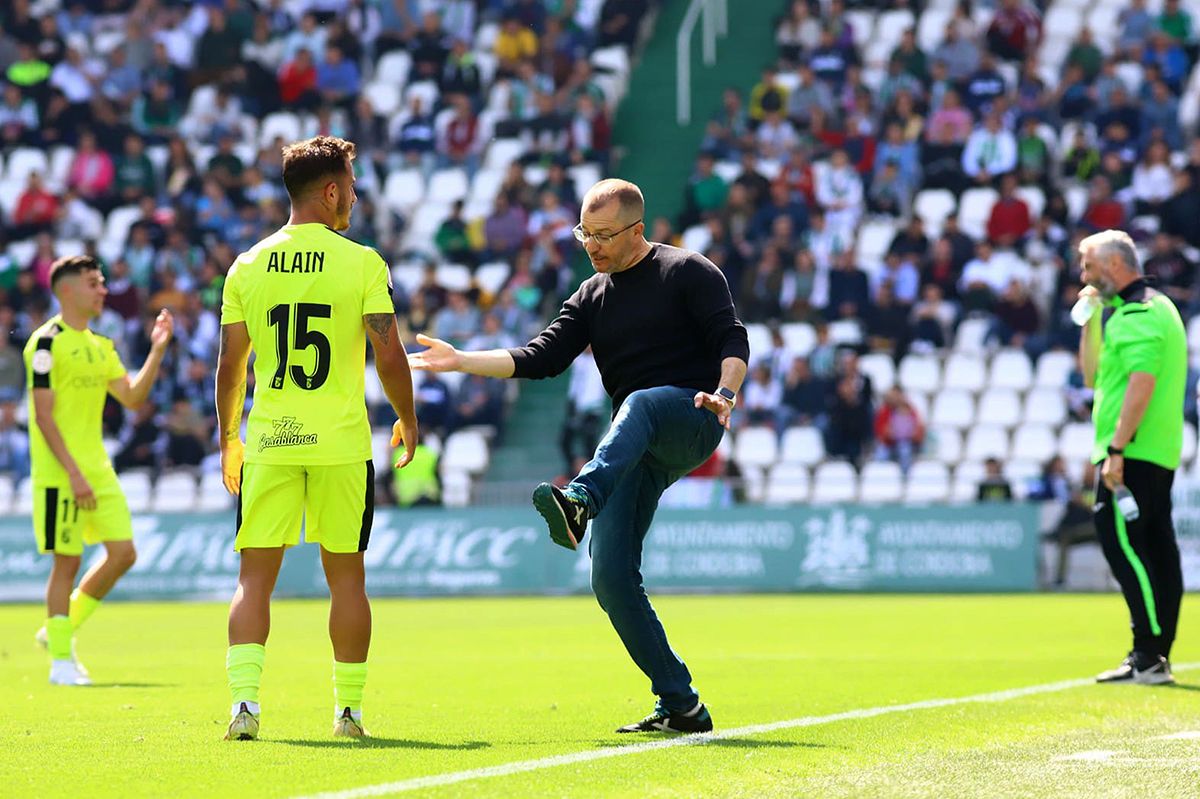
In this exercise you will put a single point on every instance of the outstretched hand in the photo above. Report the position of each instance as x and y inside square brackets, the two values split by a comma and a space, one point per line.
[164, 328]
[440, 356]
[722, 407]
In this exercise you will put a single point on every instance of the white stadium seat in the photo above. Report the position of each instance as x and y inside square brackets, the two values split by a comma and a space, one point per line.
[1000, 406]
[1035, 442]
[175, 492]
[953, 408]
[927, 481]
[974, 210]
[964, 371]
[802, 445]
[1020, 474]
[945, 444]
[465, 450]
[800, 337]
[755, 446]
[834, 481]
[136, 486]
[23, 499]
[1054, 368]
[880, 367]
[787, 483]
[881, 481]
[933, 206]
[448, 185]
[393, 67]
[971, 335]
[1075, 441]
[1045, 406]
[987, 441]
[966, 481]
[1011, 369]
[212, 495]
[920, 373]
[24, 161]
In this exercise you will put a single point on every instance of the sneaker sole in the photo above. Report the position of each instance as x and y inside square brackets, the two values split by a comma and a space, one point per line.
[547, 506]
[1154, 679]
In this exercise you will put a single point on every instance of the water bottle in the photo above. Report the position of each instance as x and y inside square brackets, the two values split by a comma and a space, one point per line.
[1085, 306]
[1126, 503]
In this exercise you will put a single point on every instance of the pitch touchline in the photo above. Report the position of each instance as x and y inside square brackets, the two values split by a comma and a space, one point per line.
[520, 766]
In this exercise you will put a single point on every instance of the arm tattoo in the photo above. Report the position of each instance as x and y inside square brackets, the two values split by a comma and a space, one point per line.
[224, 338]
[381, 323]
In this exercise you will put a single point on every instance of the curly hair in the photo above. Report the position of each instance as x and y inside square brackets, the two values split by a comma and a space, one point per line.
[306, 162]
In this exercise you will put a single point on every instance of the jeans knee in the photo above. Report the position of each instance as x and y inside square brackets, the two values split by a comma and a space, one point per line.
[612, 587]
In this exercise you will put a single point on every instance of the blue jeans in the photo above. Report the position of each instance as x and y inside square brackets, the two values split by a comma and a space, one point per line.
[657, 437]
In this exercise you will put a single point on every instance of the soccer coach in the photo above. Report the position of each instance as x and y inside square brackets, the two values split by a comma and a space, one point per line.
[1137, 364]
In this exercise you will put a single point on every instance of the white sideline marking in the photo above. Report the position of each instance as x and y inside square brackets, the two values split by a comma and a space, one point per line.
[520, 766]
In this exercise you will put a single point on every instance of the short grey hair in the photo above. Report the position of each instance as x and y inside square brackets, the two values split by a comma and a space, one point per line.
[627, 194]
[1109, 243]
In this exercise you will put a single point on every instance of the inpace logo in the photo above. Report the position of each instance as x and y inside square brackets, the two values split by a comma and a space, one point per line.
[287, 434]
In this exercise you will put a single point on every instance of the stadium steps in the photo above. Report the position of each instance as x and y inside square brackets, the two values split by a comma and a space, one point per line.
[645, 127]
[529, 452]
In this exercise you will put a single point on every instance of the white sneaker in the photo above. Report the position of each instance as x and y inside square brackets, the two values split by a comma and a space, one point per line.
[243, 726]
[346, 726]
[67, 672]
[43, 640]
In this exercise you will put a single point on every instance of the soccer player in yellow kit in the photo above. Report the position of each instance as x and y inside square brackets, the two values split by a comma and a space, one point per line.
[76, 497]
[305, 299]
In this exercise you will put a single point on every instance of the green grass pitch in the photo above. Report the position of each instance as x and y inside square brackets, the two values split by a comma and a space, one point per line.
[457, 685]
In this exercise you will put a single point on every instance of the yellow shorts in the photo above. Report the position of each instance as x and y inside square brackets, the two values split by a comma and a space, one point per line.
[336, 502]
[61, 527]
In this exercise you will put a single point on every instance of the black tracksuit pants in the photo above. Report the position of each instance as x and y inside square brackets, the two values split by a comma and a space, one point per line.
[1143, 554]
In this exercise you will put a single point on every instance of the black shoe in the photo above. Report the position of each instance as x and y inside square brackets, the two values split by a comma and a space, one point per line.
[697, 720]
[1140, 669]
[565, 515]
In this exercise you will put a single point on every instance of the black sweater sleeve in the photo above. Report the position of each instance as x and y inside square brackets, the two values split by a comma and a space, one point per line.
[711, 306]
[555, 348]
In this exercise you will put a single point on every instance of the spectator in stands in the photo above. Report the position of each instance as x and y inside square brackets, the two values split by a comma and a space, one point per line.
[1103, 212]
[994, 487]
[458, 321]
[36, 209]
[766, 96]
[298, 81]
[18, 118]
[1075, 525]
[1014, 31]
[959, 54]
[514, 44]
[849, 427]
[797, 33]
[14, 442]
[1085, 54]
[338, 79]
[1033, 154]
[1134, 24]
[990, 151]
[761, 396]
[1173, 272]
[890, 193]
[478, 401]
[418, 484]
[505, 228]
[1183, 209]
[809, 94]
[619, 22]
[546, 136]
[706, 192]
[1153, 180]
[139, 440]
[886, 321]
[932, 319]
[186, 436]
[849, 292]
[899, 431]
[460, 74]
[589, 132]
[1169, 58]
[1017, 317]
[451, 238]
[1009, 221]
[840, 194]
[586, 406]
[805, 398]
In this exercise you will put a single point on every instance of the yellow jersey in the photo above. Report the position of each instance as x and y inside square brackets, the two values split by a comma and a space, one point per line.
[77, 365]
[302, 293]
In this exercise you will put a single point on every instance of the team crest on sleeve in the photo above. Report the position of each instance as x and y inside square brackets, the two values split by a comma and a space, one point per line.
[42, 362]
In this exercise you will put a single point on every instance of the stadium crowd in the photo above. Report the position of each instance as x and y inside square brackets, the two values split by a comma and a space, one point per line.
[900, 169]
[136, 131]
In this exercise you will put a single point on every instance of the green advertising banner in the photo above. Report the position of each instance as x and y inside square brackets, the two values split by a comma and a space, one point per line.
[506, 551]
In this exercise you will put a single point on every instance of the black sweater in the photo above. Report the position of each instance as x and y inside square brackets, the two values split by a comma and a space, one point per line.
[666, 321]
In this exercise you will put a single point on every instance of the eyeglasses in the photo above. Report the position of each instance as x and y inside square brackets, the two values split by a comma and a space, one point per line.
[600, 238]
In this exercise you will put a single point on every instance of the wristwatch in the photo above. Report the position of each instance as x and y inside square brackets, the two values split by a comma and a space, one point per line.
[1116, 450]
[727, 393]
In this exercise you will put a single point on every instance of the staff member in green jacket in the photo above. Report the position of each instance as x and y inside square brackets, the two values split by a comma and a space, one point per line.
[1137, 363]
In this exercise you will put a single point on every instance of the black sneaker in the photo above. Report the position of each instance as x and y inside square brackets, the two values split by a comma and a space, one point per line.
[565, 515]
[694, 721]
[1140, 669]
